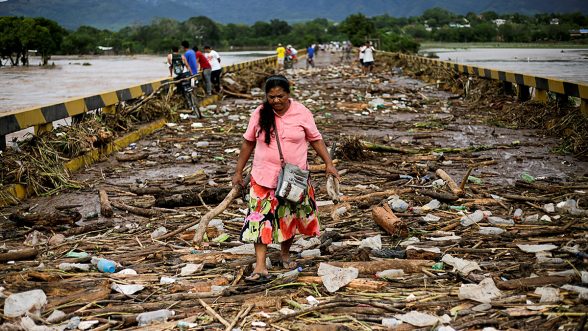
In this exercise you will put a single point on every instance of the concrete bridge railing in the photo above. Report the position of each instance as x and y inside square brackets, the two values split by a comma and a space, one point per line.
[542, 85]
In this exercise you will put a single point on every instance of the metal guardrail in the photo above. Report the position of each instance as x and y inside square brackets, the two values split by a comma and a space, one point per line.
[41, 118]
[541, 84]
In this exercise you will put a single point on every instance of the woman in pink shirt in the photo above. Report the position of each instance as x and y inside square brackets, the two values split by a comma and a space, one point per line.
[271, 219]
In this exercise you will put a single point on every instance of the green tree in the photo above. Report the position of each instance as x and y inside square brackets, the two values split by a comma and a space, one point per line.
[357, 27]
[10, 44]
[437, 17]
[201, 30]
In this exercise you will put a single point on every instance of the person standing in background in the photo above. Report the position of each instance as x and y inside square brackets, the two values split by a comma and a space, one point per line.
[190, 56]
[368, 57]
[216, 69]
[281, 54]
[205, 68]
[310, 56]
[361, 54]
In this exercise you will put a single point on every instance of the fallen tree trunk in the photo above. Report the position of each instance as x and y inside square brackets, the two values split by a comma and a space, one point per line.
[22, 254]
[211, 195]
[57, 217]
[385, 218]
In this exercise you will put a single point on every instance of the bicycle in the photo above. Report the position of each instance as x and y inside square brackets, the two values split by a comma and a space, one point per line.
[184, 86]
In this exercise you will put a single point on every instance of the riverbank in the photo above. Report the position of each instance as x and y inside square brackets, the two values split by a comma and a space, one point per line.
[453, 45]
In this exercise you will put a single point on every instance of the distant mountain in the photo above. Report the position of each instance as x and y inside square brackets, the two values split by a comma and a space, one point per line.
[113, 14]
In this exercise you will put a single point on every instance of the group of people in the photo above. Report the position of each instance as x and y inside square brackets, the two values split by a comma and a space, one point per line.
[289, 55]
[192, 60]
[366, 57]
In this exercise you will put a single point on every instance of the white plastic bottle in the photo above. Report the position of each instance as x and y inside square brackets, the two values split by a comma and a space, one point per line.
[154, 316]
[294, 272]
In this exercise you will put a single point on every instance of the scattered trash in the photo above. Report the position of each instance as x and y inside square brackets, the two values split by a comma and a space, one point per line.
[154, 316]
[484, 292]
[464, 267]
[374, 242]
[334, 277]
[127, 289]
[536, 248]
[19, 304]
[417, 318]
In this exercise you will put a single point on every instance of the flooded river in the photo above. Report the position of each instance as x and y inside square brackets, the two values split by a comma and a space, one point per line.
[565, 64]
[77, 76]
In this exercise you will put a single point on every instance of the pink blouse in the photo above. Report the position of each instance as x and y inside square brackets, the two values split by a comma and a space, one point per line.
[296, 128]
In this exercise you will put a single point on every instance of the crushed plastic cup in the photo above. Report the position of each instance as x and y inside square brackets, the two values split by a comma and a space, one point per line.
[18, 304]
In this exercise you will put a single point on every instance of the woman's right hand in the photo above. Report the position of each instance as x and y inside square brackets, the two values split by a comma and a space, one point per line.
[238, 180]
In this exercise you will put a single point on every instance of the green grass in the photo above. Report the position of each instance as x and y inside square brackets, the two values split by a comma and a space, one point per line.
[431, 44]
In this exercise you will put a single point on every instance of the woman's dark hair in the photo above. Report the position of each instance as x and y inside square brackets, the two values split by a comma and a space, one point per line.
[266, 114]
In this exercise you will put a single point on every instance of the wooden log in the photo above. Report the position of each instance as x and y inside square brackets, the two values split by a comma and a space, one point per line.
[442, 196]
[385, 218]
[21, 254]
[515, 284]
[105, 207]
[211, 195]
[450, 182]
[361, 284]
[88, 228]
[130, 157]
[238, 95]
[135, 210]
[372, 267]
[57, 217]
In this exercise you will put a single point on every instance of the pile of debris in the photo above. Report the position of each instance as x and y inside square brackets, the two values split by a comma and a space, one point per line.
[445, 223]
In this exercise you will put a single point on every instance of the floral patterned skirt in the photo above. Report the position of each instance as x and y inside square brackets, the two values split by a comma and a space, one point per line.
[272, 220]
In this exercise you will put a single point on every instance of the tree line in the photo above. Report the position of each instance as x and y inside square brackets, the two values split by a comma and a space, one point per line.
[18, 35]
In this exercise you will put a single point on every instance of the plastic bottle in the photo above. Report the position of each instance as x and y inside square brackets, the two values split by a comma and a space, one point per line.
[105, 265]
[311, 253]
[74, 266]
[290, 273]
[154, 316]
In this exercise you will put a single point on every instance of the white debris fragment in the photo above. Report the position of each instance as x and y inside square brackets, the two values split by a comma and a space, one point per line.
[548, 294]
[464, 267]
[334, 277]
[536, 248]
[483, 292]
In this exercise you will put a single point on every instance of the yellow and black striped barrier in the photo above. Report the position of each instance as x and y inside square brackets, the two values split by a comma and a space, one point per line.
[42, 118]
[541, 84]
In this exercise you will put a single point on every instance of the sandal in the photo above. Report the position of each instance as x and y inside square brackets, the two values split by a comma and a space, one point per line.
[258, 278]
